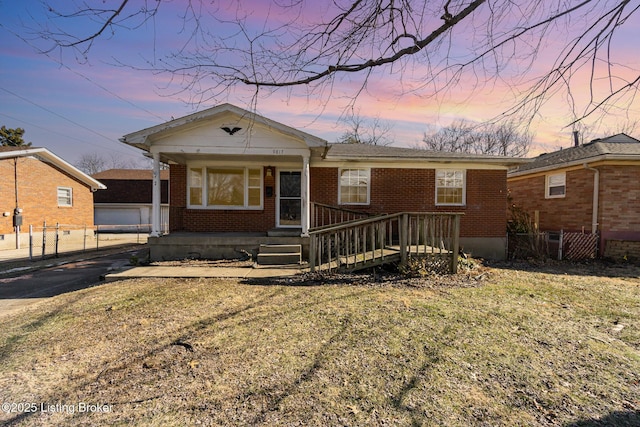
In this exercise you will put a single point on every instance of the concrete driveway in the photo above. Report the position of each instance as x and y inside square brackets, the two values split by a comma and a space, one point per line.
[25, 289]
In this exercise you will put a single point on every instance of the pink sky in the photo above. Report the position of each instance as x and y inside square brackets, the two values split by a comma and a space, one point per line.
[75, 108]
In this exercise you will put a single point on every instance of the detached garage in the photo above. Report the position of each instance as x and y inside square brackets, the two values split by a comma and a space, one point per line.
[126, 203]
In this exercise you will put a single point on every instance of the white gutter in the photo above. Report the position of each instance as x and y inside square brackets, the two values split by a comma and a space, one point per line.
[48, 156]
[596, 192]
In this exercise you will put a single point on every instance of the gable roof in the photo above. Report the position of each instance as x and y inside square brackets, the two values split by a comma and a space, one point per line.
[47, 156]
[140, 138]
[386, 153]
[616, 147]
[130, 174]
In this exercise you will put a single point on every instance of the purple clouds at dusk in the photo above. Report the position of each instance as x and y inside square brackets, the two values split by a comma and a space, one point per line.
[75, 105]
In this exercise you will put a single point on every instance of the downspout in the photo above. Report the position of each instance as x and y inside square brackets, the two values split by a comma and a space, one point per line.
[596, 192]
[16, 211]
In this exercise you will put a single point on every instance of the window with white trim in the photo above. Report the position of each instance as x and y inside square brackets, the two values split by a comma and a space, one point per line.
[65, 196]
[556, 185]
[195, 186]
[225, 187]
[354, 188]
[450, 187]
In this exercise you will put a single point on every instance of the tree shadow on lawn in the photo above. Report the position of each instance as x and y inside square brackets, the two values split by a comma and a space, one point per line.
[595, 268]
[617, 419]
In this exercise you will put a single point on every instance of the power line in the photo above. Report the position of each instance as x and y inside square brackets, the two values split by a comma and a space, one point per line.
[83, 76]
[107, 90]
[57, 115]
[65, 135]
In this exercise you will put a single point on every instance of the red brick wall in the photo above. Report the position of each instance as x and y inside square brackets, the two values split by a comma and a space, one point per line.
[392, 190]
[130, 191]
[397, 190]
[38, 183]
[208, 220]
[619, 196]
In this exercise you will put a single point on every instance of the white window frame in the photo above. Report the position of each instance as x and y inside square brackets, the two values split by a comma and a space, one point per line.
[368, 176]
[205, 187]
[69, 196]
[464, 187]
[560, 181]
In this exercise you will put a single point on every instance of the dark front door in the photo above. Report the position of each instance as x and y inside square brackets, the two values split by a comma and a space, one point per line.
[289, 199]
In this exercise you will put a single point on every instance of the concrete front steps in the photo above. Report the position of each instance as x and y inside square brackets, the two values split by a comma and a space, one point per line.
[279, 254]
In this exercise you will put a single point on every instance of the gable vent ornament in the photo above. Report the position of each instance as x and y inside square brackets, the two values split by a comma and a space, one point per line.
[230, 130]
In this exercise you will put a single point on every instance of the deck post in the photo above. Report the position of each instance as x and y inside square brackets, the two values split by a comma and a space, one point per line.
[155, 197]
[455, 247]
[404, 231]
[312, 252]
[306, 206]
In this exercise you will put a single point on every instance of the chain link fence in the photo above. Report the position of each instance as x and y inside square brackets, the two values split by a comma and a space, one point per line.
[51, 240]
[574, 246]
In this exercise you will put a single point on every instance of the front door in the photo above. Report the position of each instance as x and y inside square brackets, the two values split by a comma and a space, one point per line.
[289, 199]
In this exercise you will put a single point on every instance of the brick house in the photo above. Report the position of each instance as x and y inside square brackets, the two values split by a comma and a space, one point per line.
[232, 171]
[126, 202]
[48, 189]
[593, 188]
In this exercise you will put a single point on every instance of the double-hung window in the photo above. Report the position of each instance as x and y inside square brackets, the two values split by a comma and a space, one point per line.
[65, 196]
[556, 185]
[450, 187]
[225, 187]
[354, 186]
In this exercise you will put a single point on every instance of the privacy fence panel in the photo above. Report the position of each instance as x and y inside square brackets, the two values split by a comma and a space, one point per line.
[579, 246]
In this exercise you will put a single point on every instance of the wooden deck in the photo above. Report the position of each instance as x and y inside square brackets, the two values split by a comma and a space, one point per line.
[390, 254]
[396, 238]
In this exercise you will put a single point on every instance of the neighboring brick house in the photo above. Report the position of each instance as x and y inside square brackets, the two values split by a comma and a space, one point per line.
[593, 187]
[127, 200]
[235, 171]
[48, 189]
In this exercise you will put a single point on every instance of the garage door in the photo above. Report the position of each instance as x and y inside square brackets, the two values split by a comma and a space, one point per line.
[120, 216]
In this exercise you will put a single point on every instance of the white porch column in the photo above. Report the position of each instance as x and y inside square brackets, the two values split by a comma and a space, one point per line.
[305, 196]
[155, 198]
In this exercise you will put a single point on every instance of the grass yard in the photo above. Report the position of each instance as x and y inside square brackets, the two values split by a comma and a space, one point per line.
[510, 347]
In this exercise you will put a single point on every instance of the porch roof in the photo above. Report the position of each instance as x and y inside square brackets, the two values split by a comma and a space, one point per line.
[231, 114]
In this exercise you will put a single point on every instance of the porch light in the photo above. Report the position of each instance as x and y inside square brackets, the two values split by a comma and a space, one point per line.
[269, 171]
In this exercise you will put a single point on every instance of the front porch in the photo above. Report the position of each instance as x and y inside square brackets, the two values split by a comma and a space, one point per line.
[221, 245]
[232, 245]
[343, 245]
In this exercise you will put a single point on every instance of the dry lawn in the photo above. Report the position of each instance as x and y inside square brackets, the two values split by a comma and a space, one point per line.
[511, 347]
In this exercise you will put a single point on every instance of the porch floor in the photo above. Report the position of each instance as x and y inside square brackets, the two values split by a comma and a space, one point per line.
[218, 245]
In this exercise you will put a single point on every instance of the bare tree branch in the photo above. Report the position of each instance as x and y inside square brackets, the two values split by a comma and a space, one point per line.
[463, 136]
[431, 46]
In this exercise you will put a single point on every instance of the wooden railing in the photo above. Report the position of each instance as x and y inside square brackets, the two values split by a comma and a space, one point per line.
[325, 215]
[387, 238]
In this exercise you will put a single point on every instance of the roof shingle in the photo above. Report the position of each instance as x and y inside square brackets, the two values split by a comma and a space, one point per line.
[619, 145]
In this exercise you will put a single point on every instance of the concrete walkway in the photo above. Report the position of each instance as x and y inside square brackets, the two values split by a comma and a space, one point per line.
[193, 272]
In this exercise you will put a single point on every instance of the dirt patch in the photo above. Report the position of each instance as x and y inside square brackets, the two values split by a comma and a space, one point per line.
[240, 262]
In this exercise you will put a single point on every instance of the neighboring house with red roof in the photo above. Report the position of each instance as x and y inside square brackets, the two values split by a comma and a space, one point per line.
[235, 172]
[594, 187]
[42, 187]
[127, 200]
